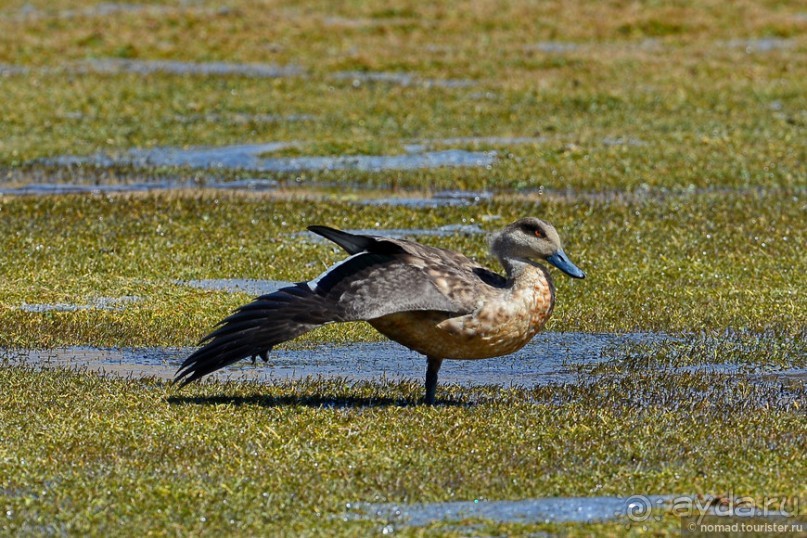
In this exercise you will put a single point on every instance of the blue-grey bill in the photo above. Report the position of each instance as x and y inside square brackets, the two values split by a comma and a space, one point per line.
[560, 261]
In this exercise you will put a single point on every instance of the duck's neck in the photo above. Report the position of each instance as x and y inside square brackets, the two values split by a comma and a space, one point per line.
[524, 270]
[516, 268]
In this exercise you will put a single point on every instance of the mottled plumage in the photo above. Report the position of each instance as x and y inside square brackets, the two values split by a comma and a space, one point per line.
[437, 302]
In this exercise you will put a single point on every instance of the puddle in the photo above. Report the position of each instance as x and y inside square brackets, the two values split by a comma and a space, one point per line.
[729, 351]
[250, 286]
[401, 233]
[172, 67]
[126, 363]
[101, 303]
[543, 510]
[103, 9]
[441, 231]
[251, 157]
[115, 66]
[422, 144]
[439, 199]
[766, 44]
[622, 141]
[400, 79]
[8, 70]
[554, 47]
[565, 47]
[257, 157]
[250, 184]
[634, 508]
[236, 156]
[347, 22]
[240, 118]
[549, 358]
[733, 368]
[76, 188]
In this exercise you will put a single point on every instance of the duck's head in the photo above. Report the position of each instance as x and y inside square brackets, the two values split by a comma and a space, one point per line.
[532, 239]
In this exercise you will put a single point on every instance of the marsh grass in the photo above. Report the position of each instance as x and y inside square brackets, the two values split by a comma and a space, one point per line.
[85, 454]
[669, 144]
[687, 82]
[682, 263]
[137, 456]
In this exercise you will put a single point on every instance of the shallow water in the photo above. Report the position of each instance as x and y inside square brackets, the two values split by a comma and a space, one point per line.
[761, 45]
[252, 157]
[242, 119]
[403, 233]
[100, 303]
[400, 78]
[549, 358]
[103, 9]
[250, 286]
[423, 144]
[486, 140]
[554, 47]
[565, 47]
[438, 199]
[47, 189]
[543, 510]
[173, 67]
[6, 70]
[733, 368]
[622, 141]
[441, 231]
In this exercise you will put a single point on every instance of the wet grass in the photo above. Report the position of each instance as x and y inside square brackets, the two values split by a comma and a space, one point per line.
[705, 107]
[700, 262]
[85, 454]
[669, 139]
[136, 456]
[748, 351]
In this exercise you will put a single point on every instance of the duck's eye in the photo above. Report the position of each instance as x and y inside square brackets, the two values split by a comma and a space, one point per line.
[540, 233]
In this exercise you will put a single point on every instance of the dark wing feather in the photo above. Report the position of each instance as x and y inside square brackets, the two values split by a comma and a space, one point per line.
[370, 285]
[255, 328]
[352, 243]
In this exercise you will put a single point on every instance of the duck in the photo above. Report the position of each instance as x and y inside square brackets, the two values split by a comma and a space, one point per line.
[435, 301]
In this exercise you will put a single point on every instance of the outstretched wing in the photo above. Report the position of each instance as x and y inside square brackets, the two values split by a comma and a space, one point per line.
[381, 277]
[388, 276]
[352, 243]
[255, 328]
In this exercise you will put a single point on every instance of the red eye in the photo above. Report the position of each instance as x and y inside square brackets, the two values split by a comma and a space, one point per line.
[540, 233]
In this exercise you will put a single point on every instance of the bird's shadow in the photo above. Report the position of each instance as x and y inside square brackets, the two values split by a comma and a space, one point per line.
[319, 401]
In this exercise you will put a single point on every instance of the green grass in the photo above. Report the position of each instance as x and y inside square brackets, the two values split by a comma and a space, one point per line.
[707, 113]
[673, 264]
[673, 164]
[137, 457]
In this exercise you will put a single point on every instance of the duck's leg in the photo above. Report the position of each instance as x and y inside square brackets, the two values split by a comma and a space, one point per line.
[431, 378]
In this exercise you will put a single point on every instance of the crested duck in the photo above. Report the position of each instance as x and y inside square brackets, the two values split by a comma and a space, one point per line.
[434, 301]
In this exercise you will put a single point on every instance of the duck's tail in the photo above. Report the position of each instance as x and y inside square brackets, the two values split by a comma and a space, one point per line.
[255, 328]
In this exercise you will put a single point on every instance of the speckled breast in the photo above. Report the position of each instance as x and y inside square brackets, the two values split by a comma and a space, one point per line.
[503, 324]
